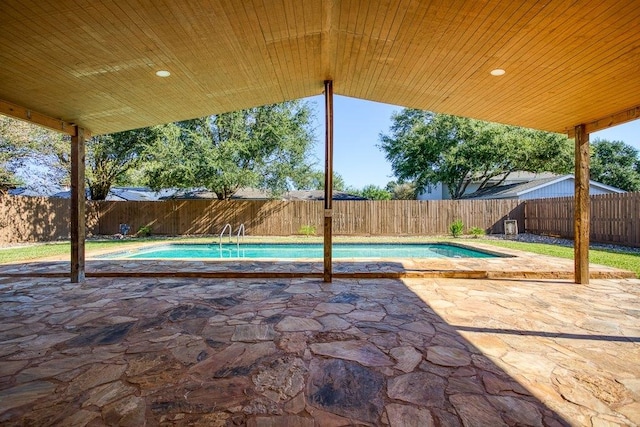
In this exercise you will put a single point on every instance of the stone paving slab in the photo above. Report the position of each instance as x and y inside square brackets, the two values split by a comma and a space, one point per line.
[300, 352]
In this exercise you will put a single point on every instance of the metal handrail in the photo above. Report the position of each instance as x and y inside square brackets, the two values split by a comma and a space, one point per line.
[222, 233]
[240, 229]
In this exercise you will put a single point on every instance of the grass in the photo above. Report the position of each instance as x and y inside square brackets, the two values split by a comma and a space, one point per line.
[24, 253]
[45, 250]
[623, 260]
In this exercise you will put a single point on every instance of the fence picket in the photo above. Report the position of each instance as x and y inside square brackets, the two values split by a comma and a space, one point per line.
[615, 218]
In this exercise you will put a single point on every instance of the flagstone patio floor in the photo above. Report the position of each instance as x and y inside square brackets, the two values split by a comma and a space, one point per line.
[136, 351]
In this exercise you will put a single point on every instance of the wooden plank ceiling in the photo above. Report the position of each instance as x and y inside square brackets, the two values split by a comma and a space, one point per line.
[93, 63]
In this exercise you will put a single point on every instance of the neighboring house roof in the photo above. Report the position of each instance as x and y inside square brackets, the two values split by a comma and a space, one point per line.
[319, 195]
[522, 176]
[514, 191]
[27, 192]
[139, 194]
[65, 194]
[134, 194]
[142, 194]
[258, 194]
[190, 194]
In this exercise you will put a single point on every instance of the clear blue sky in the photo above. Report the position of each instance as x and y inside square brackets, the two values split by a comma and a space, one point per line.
[358, 124]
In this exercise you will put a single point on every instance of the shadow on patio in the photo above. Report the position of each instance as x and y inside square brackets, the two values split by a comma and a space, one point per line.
[125, 351]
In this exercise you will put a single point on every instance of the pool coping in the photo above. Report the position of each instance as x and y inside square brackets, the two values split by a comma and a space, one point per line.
[518, 265]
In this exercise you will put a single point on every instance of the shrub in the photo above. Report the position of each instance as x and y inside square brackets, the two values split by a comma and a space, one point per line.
[144, 231]
[477, 232]
[307, 230]
[456, 228]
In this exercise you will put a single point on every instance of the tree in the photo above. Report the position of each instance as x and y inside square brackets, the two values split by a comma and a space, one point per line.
[427, 148]
[266, 147]
[615, 163]
[109, 157]
[315, 181]
[401, 191]
[11, 151]
[373, 192]
[19, 141]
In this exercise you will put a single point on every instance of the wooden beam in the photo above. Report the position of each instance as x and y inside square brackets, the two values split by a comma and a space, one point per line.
[22, 113]
[77, 206]
[328, 178]
[327, 40]
[582, 204]
[607, 122]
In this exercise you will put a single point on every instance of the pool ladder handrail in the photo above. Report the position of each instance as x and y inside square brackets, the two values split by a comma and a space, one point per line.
[222, 233]
[240, 229]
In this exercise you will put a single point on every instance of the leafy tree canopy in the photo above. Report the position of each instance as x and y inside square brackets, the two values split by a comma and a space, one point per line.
[18, 141]
[401, 190]
[315, 181]
[615, 163]
[108, 157]
[426, 148]
[373, 192]
[266, 147]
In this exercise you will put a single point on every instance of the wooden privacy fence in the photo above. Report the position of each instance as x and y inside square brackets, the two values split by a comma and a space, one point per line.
[36, 219]
[283, 218]
[615, 218]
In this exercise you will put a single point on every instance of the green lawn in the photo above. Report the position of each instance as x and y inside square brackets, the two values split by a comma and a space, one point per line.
[626, 261]
[623, 260]
[44, 250]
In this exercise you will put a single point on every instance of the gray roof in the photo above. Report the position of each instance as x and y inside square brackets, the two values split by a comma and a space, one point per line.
[509, 191]
[523, 176]
[513, 191]
[319, 195]
[134, 194]
[143, 194]
[259, 194]
[27, 192]
[138, 194]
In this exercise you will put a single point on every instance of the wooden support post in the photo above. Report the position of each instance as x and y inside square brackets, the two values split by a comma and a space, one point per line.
[582, 204]
[328, 179]
[77, 206]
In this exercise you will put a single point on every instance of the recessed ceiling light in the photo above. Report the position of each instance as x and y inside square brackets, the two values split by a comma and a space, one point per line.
[163, 73]
[498, 72]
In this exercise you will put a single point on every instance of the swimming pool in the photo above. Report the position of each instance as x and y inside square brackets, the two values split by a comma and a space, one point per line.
[300, 250]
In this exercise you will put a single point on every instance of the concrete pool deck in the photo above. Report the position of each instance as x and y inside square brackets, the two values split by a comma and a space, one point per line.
[299, 352]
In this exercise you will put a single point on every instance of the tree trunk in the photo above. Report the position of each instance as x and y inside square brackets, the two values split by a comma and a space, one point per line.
[99, 191]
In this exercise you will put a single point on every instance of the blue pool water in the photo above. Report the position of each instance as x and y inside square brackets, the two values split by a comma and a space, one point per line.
[308, 250]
